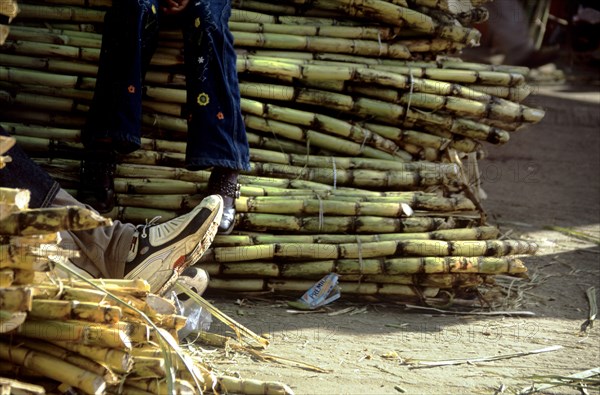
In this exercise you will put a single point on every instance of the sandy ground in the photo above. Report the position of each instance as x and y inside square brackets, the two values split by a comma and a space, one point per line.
[546, 176]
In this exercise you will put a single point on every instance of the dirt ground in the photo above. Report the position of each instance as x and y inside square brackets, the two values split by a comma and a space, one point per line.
[546, 176]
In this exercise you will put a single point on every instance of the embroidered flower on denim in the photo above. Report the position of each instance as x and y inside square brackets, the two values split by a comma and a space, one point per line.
[203, 99]
[201, 59]
[220, 115]
[131, 89]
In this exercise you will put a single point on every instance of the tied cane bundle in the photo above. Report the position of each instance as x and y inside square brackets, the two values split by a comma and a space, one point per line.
[365, 129]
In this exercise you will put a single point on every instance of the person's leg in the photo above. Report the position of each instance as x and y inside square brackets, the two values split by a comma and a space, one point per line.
[103, 251]
[114, 119]
[216, 130]
[154, 252]
[128, 43]
[23, 173]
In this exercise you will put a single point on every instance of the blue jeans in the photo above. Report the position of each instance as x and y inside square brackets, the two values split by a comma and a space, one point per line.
[216, 132]
[23, 173]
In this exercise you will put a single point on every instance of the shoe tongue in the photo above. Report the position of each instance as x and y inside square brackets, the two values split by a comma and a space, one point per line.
[133, 248]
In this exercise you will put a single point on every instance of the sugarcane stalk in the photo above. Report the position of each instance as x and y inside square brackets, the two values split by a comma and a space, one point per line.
[29, 241]
[117, 360]
[315, 29]
[23, 277]
[475, 233]
[335, 144]
[46, 291]
[46, 13]
[75, 310]
[82, 362]
[230, 384]
[51, 220]
[79, 39]
[149, 367]
[76, 331]
[132, 287]
[7, 278]
[387, 112]
[6, 143]
[159, 386]
[49, 50]
[346, 163]
[366, 179]
[41, 117]
[389, 13]
[363, 224]
[431, 71]
[17, 197]
[9, 320]
[325, 123]
[23, 258]
[443, 281]
[380, 266]
[52, 367]
[320, 206]
[21, 387]
[398, 248]
[15, 299]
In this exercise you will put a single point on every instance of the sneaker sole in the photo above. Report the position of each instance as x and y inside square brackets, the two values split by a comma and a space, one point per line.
[210, 216]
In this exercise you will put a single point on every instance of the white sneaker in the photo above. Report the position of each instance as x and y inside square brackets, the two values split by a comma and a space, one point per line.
[162, 251]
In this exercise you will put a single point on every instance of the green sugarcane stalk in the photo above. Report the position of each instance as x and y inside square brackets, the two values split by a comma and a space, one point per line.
[398, 248]
[349, 163]
[377, 269]
[367, 179]
[332, 143]
[424, 71]
[76, 331]
[299, 286]
[418, 138]
[443, 281]
[46, 13]
[476, 233]
[356, 288]
[51, 50]
[387, 112]
[320, 206]
[380, 10]
[325, 123]
[515, 94]
[76, 39]
[321, 44]
[322, 28]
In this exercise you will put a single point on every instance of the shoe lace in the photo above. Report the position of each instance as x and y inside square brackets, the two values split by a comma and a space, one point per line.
[149, 224]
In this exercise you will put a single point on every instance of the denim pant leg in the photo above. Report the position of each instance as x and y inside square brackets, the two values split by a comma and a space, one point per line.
[216, 131]
[128, 43]
[23, 173]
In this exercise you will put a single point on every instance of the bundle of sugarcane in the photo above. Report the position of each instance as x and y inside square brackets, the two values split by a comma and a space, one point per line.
[92, 335]
[363, 134]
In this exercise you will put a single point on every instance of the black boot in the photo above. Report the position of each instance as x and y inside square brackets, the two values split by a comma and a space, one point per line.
[223, 182]
[96, 182]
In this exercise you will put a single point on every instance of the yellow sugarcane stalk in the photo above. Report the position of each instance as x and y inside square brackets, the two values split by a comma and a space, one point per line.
[52, 367]
[51, 220]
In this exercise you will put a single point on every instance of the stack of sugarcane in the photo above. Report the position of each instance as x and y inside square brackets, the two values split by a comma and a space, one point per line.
[93, 335]
[365, 129]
